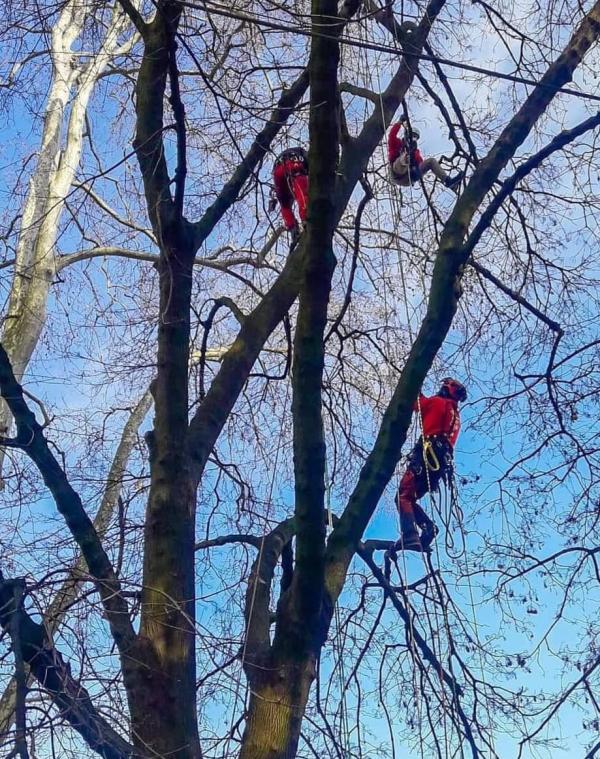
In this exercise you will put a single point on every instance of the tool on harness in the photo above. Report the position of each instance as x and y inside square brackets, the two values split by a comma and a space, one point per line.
[434, 453]
[430, 457]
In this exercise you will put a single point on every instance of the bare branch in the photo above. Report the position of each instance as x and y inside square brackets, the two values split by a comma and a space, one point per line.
[53, 674]
[68, 502]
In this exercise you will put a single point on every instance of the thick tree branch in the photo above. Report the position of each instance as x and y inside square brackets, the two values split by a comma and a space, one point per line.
[180, 129]
[33, 443]
[237, 363]
[257, 613]
[150, 94]
[114, 251]
[168, 606]
[360, 92]
[309, 345]
[226, 540]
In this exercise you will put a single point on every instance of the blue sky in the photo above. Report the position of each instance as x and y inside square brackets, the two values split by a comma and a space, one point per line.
[69, 380]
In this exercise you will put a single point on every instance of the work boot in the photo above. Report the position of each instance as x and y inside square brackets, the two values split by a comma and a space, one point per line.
[410, 542]
[429, 532]
[294, 236]
[409, 536]
[452, 182]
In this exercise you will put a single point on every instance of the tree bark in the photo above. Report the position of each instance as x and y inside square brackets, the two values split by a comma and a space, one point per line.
[164, 708]
[279, 684]
[280, 689]
[275, 712]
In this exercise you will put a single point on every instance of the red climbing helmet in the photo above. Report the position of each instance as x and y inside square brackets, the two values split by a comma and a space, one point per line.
[451, 388]
[292, 154]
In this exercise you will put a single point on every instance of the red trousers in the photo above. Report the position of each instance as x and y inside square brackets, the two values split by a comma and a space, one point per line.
[411, 488]
[289, 188]
[418, 479]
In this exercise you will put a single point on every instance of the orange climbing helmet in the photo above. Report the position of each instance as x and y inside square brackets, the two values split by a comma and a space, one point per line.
[452, 388]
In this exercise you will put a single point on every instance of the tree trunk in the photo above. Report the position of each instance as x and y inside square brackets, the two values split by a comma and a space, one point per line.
[168, 605]
[275, 712]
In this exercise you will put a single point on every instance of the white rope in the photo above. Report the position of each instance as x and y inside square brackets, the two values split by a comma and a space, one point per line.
[404, 577]
[420, 418]
[476, 629]
[337, 644]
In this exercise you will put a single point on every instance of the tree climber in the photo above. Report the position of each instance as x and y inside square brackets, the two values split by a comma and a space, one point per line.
[290, 176]
[406, 162]
[429, 462]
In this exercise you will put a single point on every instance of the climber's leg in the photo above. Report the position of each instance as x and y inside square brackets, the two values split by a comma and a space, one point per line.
[284, 197]
[433, 165]
[300, 189]
[406, 501]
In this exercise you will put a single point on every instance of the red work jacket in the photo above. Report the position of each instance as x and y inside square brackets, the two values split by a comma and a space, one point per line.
[440, 416]
[397, 146]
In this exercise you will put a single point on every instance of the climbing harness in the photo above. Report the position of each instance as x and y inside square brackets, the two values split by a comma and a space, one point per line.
[292, 154]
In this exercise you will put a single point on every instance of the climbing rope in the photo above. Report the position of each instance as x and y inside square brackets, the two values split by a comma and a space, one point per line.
[431, 463]
[396, 208]
[430, 460]
[337, 642]
[460, 520]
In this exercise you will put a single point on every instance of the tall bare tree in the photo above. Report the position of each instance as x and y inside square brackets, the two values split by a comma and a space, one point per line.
[153, 623]
[36, 260]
